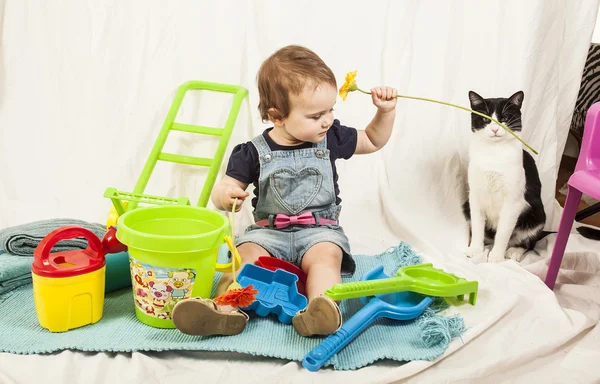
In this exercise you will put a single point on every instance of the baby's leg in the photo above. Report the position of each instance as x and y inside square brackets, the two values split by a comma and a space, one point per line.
[249, 252]
[322, 265]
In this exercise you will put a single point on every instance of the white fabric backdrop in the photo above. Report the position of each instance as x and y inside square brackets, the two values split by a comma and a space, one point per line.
[85, 86]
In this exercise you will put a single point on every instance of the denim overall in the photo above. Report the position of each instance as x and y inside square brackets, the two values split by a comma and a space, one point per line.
[294, 184]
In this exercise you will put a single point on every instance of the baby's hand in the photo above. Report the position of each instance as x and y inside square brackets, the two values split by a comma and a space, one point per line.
[384, 98]
[231, 193]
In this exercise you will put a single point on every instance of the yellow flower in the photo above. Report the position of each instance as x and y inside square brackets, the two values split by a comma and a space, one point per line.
[349, 85]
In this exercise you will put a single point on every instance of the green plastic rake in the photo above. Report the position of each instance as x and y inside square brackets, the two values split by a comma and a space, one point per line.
[137, 196]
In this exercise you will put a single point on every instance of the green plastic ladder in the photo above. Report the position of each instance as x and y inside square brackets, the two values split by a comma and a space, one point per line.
[137, 196]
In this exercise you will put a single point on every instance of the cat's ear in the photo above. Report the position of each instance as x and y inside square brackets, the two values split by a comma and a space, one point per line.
[475, 99]
[517, 99]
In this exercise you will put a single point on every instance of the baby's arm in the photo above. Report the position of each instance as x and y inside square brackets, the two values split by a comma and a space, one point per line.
[242, 170]
[379, 130]
[226, 190]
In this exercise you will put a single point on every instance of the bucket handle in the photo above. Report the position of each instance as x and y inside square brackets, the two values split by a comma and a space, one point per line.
[94, 249]
[226, 268]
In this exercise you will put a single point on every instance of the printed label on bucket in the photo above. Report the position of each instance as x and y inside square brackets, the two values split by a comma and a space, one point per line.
[156, 290]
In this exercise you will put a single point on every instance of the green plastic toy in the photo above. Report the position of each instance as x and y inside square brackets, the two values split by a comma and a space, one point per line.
[421, 278]
[156, 154]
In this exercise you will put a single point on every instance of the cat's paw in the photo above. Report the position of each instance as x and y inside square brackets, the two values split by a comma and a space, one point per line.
[496, 256]
[473, 251]
[481, 257]
[516, 253]
[477, 254]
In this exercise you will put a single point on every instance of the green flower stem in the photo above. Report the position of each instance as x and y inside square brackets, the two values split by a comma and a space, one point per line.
[466, 109]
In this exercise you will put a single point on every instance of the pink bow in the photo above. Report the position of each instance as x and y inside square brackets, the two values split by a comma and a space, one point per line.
[282, 221]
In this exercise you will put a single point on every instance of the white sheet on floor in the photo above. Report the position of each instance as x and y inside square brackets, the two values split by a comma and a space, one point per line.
[85, 86]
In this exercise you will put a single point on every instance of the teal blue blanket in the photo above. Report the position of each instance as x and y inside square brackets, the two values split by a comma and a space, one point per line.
[15, 271]
[21, 240]
[424, 338]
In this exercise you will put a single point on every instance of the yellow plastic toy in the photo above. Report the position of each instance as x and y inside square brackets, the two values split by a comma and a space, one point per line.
[113, 216]
[68, 287]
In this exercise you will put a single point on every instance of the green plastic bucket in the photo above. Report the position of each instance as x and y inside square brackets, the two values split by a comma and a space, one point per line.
[172, 256]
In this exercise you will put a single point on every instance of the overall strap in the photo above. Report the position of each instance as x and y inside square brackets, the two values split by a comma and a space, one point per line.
[322, 144]
[261, 145]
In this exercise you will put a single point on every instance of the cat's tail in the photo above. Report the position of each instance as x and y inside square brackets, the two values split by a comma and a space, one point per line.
[545, 233]
[589, 233]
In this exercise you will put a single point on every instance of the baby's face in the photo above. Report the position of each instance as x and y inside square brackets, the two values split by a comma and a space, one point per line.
[311, 113]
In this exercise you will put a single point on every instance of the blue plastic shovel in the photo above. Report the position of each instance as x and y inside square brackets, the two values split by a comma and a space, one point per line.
[397, 306]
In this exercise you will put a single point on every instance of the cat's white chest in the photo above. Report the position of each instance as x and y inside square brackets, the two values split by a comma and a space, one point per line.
[491, 191]
[496, 178]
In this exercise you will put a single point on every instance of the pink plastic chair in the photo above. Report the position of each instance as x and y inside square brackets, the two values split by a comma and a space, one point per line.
[585, 179]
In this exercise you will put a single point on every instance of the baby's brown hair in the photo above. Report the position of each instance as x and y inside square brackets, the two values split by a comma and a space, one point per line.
[287, 71]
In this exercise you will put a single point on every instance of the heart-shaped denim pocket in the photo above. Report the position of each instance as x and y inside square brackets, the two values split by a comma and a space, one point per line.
[295, 190]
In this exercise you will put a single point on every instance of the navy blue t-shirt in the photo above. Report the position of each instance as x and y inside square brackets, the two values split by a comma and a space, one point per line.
[244, 164]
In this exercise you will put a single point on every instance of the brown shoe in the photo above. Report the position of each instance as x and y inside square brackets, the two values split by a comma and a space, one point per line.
[197, 316]
[322, 316]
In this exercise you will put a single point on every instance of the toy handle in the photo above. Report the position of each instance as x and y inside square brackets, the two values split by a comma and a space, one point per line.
[94, 249]
[321, 354]
[225, 268]
[367, 288]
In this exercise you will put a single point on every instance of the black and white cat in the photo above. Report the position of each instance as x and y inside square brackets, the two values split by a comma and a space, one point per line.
[504, 203]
